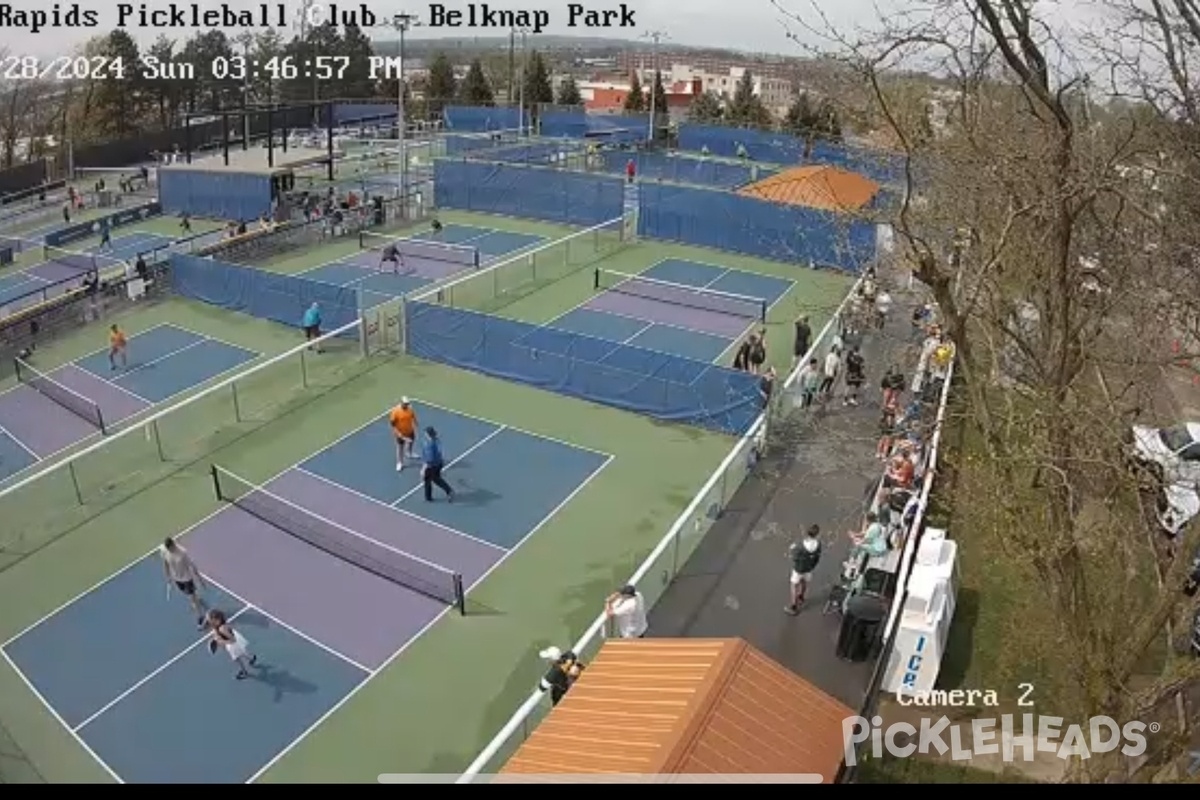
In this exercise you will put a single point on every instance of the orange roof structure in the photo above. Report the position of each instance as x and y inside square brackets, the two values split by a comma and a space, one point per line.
[816, 186]
[684, 707]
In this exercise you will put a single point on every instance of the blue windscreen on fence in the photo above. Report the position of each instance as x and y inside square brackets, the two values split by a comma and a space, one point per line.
[780, 148]
[477, 119]
[219, 195]
[685, 169]
[552, 195]
[258, 293]
[618, 128]
[753, 227]
[659, 385]
[115, 219]
[344, 113]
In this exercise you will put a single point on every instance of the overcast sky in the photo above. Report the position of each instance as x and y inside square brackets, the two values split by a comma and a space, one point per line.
[752, 25]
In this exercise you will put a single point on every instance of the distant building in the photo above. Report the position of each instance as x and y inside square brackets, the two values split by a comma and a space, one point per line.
[721, 78]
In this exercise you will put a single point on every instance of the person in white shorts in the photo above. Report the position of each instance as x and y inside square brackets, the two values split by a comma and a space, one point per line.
[804, 555]
[183, 573]
[224, 635]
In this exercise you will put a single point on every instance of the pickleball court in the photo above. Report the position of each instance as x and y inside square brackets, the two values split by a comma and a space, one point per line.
[49, 412]
[65, 270]
[155, 706]
[428, 257]
[678, 308]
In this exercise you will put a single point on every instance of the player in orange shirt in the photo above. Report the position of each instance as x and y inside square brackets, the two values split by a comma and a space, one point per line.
[116, 347]
[404, 425]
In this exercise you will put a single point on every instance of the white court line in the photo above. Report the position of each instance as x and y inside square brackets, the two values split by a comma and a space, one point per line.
[629, 339]
[109, 382]
[417, 636]
[541, 436]
[152, 674]
[291, 628]
[87, 748]
[208, 337]
[154, 361]
[21, 444]
[223, 508]
[394, 509]
[461, 456]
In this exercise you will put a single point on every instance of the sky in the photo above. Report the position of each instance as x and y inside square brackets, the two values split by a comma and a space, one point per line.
[751, 25]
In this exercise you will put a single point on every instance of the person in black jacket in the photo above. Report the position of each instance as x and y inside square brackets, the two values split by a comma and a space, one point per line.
[892, 385]
[805, 555]
[564, 671]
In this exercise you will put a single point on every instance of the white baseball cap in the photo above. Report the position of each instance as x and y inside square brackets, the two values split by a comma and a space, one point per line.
[551, 654]
[403, 401]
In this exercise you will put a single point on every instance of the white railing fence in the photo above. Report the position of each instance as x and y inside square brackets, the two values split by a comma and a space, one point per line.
[662, 565]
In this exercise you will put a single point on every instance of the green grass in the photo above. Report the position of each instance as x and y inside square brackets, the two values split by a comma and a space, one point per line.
[439, 703]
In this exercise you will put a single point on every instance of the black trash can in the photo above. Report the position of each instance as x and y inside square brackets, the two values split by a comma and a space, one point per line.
[379, 215]
[861, 624]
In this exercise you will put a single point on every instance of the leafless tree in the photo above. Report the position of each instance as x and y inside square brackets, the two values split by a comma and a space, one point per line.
[1038, 212]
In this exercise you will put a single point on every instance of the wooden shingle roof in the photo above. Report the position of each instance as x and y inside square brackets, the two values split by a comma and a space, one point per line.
[686, 707]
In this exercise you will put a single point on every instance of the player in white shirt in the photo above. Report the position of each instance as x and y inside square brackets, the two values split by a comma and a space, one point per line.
[628, 609]
[182, 571]
[223, 634]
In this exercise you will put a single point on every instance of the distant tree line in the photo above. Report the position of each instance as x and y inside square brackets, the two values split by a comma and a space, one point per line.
[805, 119]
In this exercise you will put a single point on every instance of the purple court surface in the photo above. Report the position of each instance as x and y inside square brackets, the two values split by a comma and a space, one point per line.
[46, 415]
[688, 309]
[320, 626]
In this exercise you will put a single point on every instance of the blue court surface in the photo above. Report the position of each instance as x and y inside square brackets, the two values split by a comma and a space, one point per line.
[49, 279]
[661, 319]
[163, 362]
[362, 269]
[155, 706]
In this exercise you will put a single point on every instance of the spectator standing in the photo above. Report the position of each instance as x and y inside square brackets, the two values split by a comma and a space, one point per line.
[807, 383]
[564, 670]
[831, 370]
[805, 555]
[855, 375]
[802, 339]
[627, 609]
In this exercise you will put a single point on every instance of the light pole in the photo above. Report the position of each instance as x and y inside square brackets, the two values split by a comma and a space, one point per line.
[244, 40]
[521, 85]
[656, 37]
[402, 23]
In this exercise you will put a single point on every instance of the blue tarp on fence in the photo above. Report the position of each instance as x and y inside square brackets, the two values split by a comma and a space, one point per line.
[662, 386]
[780, 148]
[685, 169]
[217, 195]
[754, 227]
[623, 129]
[344, 113]
[258, 293]
[116, 219]
[536, 193]
[478, 119]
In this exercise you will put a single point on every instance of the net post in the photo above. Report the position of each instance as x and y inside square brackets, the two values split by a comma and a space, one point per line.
[596, 279]
[75, 482]
[216, 481]
[100, 421]
[460, 595]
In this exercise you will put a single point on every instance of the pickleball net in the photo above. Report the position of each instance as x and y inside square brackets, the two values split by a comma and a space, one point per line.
[332, 538]
[420, 248]
[61, 394]
[735, 305]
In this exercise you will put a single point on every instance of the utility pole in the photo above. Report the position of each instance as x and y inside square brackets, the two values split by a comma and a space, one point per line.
[521, 78]
[402, 22]
[245, 39]
[656, 37]
[512, 66]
